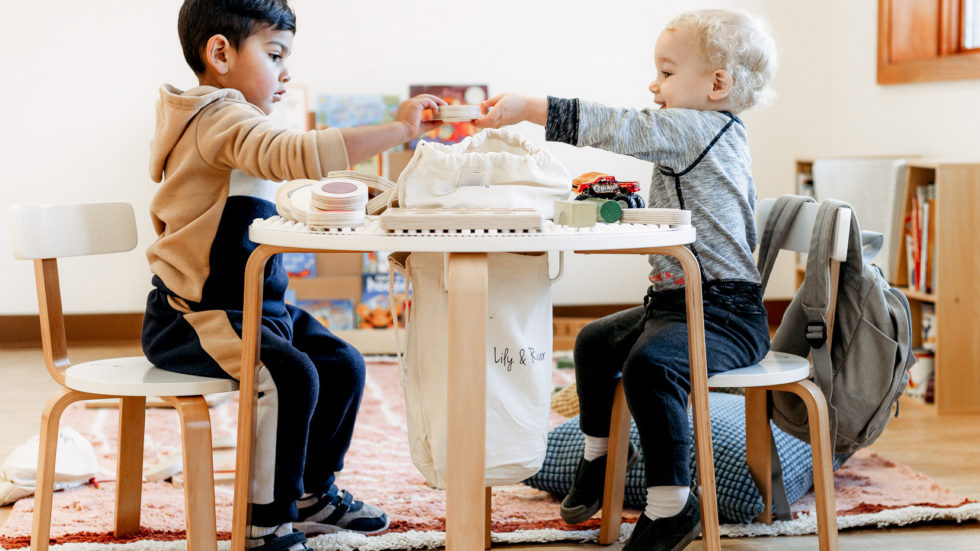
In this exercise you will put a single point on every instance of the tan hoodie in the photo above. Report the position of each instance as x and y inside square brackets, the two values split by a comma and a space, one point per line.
[211, 144]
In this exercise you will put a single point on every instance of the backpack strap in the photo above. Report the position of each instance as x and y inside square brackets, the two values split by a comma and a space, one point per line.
[815, 296]
[780, 499]
[778, 224]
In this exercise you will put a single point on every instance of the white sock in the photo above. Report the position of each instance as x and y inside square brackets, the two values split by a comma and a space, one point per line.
[665, 501]
[256, 532]
[595, 447]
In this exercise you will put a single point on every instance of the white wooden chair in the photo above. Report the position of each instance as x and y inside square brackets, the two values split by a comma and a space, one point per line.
[44, 233]
[776, 372]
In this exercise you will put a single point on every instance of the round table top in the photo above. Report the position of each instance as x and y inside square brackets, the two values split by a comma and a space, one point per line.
[552, 237]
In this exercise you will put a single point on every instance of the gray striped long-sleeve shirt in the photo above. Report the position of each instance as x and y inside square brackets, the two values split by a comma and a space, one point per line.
[701, 163]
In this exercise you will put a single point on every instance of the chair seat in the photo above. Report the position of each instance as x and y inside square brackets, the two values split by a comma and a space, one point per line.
[136, 376]
[775, 369]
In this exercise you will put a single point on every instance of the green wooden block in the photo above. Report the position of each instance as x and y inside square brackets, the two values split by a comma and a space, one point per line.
[606, 210]
[578, 214]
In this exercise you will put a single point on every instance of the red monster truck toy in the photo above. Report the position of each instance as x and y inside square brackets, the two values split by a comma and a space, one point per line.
[604, 186]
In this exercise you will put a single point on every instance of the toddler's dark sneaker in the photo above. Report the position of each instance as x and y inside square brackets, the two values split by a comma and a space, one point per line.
[585, 497]
[336, 510]
[667, 534]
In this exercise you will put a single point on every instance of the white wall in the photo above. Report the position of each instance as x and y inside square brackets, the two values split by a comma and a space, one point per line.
[83, 77]
[830, 105]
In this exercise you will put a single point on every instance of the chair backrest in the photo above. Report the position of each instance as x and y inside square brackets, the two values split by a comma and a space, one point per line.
[44, 233]
[798, 238]
[56, 231]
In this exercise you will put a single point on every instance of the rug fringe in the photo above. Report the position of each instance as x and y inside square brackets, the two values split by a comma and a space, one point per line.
[806, 523]
[349, 541]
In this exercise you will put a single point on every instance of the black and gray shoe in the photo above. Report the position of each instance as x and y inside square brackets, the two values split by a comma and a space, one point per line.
[336, 510]
[585, 497]
[667, 534]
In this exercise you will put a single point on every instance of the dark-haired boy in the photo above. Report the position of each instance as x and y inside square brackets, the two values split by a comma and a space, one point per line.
[221, 160]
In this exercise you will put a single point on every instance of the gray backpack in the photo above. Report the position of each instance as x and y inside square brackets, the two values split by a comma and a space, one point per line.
[866, 369]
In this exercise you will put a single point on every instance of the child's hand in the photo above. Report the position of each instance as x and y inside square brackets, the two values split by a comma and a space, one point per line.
[410, 114]
[507, 109]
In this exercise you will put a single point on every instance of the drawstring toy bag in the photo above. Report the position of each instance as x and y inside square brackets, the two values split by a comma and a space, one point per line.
[518, 364]
[494, 168]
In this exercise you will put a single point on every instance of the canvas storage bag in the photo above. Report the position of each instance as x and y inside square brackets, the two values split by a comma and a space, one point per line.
[865, 370]
[492, 169]
[518, 360]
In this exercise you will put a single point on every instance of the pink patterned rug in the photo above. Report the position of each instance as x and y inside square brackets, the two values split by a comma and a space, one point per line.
[870, 489]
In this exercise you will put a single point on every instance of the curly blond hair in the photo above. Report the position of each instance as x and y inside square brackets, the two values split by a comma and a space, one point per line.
[740, 43]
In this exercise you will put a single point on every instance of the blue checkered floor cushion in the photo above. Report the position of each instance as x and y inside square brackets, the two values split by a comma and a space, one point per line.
[738, 498]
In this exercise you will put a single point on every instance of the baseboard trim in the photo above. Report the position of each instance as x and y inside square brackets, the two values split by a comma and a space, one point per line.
[25, 330]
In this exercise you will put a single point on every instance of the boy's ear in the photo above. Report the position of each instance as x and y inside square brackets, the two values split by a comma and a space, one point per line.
[218, 54]
[721, 85]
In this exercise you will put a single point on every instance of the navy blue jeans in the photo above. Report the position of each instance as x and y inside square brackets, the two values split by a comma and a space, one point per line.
[647, 347]
[317, 384]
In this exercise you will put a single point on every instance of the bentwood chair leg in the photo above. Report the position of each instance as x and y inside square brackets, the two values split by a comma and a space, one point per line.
[758, 448]
[823, 467]
[615, 483]
[195, 421]
[486, 522]
[129, 467]
[46, 456]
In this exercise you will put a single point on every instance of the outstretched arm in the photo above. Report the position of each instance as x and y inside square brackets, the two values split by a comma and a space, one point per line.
[507, 109]
[364, 142]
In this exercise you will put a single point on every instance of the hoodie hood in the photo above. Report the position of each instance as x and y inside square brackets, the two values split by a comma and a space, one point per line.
[175, 109]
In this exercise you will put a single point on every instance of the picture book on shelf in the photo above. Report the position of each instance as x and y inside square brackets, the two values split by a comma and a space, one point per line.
[453, 94]
[299, 264]
[928, 310]
[334, 314]
[347, 110]
[375, 308]
[375, 262]
[920, 231]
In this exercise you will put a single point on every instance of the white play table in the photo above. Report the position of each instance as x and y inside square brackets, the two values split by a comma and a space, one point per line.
[467, 498]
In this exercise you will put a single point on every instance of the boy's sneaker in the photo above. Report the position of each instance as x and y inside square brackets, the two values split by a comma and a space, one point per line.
[585, 497]
[336, 510]
[667, 534]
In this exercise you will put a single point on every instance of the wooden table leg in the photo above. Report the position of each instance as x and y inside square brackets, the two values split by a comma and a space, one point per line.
[466, 402]
[699, 395]
[251, 317]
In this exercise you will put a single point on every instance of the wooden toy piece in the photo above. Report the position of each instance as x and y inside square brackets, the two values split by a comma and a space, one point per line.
[674, 217]
[458, 113]
[578, 214]
[376, 184]
[377, 205]
[606, 210]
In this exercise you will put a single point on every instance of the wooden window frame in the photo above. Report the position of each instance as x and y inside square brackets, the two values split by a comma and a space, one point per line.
[953, 62]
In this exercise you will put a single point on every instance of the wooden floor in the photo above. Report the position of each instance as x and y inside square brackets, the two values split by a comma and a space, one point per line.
[945, 448]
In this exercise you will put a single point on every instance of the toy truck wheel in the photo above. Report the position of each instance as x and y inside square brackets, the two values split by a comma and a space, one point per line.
[581, 196]
[636, 201]
[623, 200]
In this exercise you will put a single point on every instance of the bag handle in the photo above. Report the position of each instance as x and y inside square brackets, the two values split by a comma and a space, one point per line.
[777, 227]
[561, 268]
[397, 264]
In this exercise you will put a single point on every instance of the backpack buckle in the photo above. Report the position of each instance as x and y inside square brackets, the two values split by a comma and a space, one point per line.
[816, 333]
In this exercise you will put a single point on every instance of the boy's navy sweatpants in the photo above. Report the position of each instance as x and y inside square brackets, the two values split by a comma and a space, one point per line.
[647, 347]
[310, 385]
